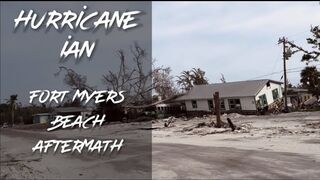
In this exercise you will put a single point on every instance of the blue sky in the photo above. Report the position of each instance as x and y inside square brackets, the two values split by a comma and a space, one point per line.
[238, 39]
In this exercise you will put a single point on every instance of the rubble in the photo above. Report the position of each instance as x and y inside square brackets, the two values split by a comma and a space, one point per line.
[206, 131]
[313, 125]
[198, 125]
[244, 128]
[169, 122]
[205, 125]
[232, 115]
[285, 131]
[204, 128]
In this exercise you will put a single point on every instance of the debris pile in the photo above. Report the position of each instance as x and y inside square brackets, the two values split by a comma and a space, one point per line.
[204, 128]
[205, 131]
[313, 125]
[243, 128]
[232, 115]
[284, 131]
[169, 122]
[198, 125]
[206, 125]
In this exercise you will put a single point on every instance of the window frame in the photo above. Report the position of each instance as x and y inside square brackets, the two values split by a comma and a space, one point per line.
[266, 100]
[194, 104]
[210, 104]
[273, 93]
[222, 105]
[234, 102]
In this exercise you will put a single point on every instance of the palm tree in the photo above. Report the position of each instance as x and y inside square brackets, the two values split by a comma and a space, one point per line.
[310, 78]
[198, 77]
[185, 80]
[188, 79]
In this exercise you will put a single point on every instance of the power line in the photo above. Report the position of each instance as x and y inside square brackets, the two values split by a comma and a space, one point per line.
[278, 72]
[276, 62]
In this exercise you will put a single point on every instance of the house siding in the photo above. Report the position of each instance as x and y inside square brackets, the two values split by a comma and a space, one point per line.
[202, 105]
[268, 92]
[226, 104]
[247, 103]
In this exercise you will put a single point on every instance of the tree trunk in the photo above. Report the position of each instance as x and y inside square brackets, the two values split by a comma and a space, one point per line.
[217, 109]
[12, 115]
[232, 126]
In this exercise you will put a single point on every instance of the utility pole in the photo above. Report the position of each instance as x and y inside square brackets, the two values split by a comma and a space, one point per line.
[285, 73]
[287, 53]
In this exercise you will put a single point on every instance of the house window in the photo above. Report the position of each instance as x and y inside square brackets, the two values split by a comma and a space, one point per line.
[222, 106]
[234, 104]
[268, 84]
[263, 100]
[194, 104]
[210, 105]
[275, 94]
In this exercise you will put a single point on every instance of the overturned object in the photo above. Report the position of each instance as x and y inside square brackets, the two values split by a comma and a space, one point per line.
[169, 122]
[232, 126]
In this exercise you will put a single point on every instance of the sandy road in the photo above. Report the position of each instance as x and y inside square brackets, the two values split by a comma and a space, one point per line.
[18, 161]
[196, 162]
[285, 146]
[261, 154]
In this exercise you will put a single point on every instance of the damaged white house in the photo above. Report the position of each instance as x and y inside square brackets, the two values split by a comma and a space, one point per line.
[241, 96]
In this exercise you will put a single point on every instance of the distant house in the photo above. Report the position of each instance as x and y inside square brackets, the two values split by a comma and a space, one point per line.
[297, 96]
[241, 96]
[85, 112]
[169, 108]
[41, 118]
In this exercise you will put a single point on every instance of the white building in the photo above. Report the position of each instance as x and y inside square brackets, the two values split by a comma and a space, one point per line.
[241, 96]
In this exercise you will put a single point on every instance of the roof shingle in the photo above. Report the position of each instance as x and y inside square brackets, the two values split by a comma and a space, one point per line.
[230, 89]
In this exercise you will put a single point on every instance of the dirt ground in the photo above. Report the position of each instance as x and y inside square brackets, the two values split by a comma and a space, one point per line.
[285, 146]
[262, 147]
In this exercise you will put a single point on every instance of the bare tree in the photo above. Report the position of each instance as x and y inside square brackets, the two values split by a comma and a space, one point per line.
[314, 41]
[308, 55]
[135, 80]
[223, 79]
[74, 80]
[163, 82]
[134, 76]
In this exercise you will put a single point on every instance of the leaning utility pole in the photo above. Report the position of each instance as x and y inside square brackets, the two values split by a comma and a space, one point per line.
[285, 57]
[287, 53]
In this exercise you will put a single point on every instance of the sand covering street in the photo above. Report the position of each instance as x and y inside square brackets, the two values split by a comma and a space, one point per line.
[282, 146]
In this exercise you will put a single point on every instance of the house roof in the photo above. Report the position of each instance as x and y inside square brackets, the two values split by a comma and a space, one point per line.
[71, 109]
[298, 90]
[229, 89]
[42, 114]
